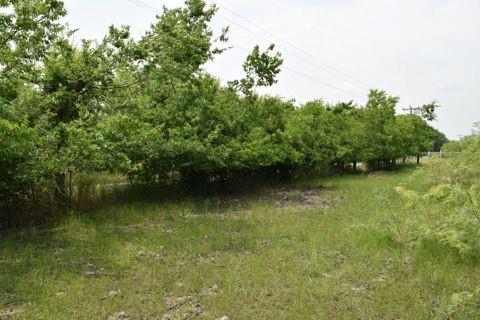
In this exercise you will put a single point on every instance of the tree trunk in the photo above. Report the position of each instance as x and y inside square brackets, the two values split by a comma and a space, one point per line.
[61, 177]
[70, 188]
[418, 158]
[61, 186]
[354, 165]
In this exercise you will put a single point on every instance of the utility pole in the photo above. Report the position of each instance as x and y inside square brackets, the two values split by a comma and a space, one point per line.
[412, 110]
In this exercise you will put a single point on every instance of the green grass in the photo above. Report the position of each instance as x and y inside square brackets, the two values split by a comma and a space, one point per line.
[261, 255]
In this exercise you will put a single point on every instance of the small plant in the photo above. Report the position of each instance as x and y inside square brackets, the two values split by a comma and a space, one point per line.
[464, 305]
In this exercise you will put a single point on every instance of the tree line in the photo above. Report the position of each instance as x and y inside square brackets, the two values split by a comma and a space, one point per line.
[147, 108]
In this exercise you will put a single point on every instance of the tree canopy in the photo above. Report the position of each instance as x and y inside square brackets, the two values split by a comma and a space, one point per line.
[148, 108]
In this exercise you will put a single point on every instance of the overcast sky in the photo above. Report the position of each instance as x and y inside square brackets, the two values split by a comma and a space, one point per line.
[419, 50]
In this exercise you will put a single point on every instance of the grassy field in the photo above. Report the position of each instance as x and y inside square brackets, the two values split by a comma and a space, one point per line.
[321, 248]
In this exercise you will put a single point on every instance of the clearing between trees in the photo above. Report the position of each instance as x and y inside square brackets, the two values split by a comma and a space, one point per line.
[334, 247]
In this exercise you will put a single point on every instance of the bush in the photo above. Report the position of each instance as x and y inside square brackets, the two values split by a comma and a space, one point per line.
[450, 210]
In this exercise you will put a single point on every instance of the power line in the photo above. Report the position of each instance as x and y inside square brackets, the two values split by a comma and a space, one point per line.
[305, 75]
[153, 9]
[144, 5]
[320, 81]
[285, 49]
[326, 65]
[345, 77]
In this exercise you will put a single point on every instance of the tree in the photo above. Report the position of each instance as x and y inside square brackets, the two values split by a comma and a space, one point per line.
[427, 111]
[261, 70]
[311, 130]
[438, 138]
[74, 82]
[415, 135]
[349, 130]
[380, 134]
[28, 28]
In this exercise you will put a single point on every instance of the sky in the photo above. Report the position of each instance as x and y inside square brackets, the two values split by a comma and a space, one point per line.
[418, 50]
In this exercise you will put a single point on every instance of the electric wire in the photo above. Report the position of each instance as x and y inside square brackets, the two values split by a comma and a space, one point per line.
[311, 78]
[326, 65]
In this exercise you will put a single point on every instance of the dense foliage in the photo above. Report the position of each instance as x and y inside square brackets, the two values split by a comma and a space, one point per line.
[449, 213]
[148, 109]
[451, 208]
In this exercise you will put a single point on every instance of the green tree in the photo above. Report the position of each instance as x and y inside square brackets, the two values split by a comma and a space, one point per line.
[261, 70]
[313, 135]
[380, 134]
[349, 130]
[28, 28]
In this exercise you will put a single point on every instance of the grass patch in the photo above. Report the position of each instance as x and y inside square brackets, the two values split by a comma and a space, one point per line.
[315, 249]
